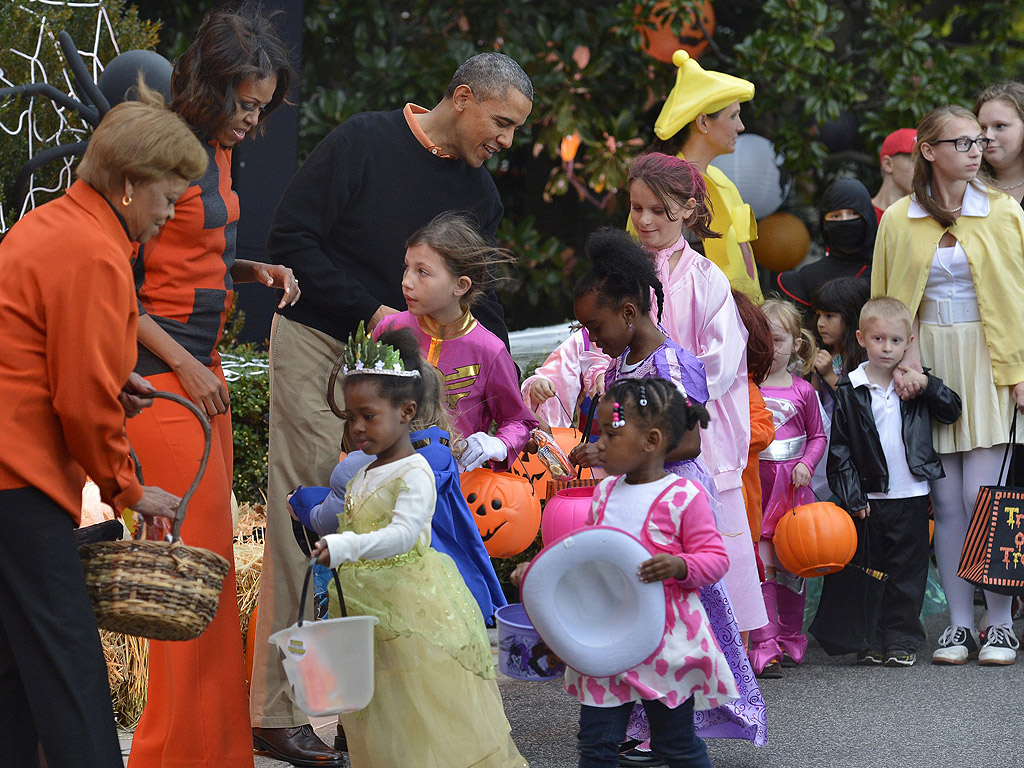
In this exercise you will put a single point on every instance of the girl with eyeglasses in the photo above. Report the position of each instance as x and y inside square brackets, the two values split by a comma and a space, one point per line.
[954, 253]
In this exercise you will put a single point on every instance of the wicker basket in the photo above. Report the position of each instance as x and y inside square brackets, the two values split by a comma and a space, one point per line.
[162, 590]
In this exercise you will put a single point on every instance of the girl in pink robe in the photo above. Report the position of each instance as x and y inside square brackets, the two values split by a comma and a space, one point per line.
[700, 315]
[574, 368]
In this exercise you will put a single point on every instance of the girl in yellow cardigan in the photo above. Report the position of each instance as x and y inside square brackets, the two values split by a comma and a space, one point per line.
[954, 253]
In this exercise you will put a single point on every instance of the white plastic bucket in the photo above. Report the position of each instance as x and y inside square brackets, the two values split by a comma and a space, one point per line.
[329, 663]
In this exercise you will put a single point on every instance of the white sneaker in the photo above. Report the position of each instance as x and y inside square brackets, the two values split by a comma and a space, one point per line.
[1000, 648]
[956, 646]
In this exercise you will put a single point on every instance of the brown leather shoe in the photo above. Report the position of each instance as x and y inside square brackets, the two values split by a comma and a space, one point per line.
[298, 746]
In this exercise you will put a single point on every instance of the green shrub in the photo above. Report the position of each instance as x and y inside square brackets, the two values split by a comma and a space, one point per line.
[250, 419]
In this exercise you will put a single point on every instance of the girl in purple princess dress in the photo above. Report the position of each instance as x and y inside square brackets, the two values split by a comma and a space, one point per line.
[613, 302]
[448, 266]
[786, 468]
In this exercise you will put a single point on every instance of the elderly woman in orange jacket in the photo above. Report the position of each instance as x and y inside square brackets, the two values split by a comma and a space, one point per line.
[67, 331]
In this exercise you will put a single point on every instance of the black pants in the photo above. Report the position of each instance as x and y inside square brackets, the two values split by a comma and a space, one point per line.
[898, 540]
[53, 678]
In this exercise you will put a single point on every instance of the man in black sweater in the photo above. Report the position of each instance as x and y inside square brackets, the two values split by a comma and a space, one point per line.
[341, 227]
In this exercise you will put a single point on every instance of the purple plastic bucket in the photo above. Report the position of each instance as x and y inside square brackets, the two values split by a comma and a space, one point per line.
[521, 652]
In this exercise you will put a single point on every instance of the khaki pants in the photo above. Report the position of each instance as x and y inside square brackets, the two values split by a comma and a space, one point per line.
[305, 442]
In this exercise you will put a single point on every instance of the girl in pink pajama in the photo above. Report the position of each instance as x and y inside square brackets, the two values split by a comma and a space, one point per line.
[786, 468]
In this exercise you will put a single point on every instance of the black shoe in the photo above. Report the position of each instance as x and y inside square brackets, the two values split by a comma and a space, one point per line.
[771, 671]
[298, 746]
[898, 657]
[340, 742]
[634, 758]
[869, 658]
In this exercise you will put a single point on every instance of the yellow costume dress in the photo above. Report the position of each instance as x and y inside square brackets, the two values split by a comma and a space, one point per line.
[436, 703]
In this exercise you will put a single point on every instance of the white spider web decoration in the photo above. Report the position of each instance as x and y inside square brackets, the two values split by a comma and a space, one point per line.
[71, 127]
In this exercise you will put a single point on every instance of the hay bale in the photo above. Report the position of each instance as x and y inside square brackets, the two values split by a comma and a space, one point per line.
[128, 656]
[128, 672]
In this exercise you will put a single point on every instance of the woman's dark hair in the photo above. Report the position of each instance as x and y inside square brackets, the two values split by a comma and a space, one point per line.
[667, 408]
[760, 349]
[620, 270]
[399, 389]
[232, 46]
[845, 295]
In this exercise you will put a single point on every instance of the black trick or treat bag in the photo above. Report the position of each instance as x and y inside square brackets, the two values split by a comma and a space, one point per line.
[993, 554]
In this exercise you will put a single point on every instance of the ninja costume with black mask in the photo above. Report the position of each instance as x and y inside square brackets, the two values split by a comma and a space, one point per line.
[849, 244]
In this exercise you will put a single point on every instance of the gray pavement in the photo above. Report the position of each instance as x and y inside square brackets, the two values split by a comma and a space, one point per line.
[824, 713]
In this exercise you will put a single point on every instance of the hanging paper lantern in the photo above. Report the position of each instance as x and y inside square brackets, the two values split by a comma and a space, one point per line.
[754, 169]
[782, 242]
[815, 539]
[505, 509]
[661, 41]
[565, 512]
[534, 470]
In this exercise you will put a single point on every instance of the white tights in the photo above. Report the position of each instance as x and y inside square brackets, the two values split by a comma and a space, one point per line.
[953, 498]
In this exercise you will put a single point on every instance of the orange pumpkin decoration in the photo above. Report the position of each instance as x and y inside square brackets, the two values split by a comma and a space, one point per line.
[782, 242]
[660, 40]
[815, 539]
[505, 509]
[534, 470]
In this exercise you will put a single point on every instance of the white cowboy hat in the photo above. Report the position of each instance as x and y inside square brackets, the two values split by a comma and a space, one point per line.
[585, 599]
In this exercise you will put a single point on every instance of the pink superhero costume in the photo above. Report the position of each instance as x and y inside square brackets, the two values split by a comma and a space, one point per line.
[573, 367]
[745, 718]
[799, 439]
[701, 316]
[480, 379]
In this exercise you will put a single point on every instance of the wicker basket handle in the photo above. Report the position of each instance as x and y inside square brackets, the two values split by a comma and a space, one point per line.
[204, 422]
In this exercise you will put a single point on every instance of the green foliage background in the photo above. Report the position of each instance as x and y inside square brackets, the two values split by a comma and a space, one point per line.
[882, 62]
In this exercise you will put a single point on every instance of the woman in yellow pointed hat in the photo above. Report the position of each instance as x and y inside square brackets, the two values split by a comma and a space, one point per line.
[705, 108]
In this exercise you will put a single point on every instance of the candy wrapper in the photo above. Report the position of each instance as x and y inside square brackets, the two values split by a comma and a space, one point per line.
[553, 456]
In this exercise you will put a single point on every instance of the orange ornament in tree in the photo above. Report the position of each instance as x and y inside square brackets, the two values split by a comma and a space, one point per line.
[815, 539]
[505, 510]
[661, 41]
[782, 242]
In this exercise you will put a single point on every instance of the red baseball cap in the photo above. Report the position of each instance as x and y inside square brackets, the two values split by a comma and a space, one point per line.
[898, 142]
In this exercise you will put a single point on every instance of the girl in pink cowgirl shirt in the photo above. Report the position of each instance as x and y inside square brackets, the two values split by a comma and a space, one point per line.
[642, 420]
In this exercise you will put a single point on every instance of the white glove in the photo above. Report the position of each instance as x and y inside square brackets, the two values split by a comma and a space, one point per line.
[481, 448]
[343, 548]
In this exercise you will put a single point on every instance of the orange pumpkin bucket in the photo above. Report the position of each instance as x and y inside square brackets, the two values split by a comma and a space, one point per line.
[815, 539]
[505, 508]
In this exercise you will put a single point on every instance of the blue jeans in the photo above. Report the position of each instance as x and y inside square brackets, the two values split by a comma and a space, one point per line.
[673, 737]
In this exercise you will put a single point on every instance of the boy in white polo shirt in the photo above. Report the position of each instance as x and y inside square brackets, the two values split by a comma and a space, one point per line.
[880, 461]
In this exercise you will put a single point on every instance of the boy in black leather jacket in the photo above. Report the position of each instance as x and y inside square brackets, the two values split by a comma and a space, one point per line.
[880, 461]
